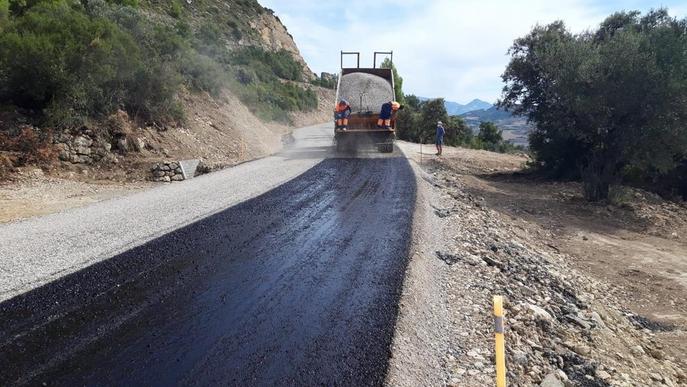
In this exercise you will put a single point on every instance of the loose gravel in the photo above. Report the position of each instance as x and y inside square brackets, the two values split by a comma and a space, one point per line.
[563, 327]
[373, 89]
[38, 250]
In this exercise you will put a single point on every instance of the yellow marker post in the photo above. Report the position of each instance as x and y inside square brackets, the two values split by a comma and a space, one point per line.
[500, 349]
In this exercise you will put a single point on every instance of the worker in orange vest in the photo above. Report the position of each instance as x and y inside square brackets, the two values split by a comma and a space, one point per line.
[388, 110]
[341, 114]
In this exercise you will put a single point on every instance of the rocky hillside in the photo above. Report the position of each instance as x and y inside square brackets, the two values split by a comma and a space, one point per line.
[240, 23]
[123, 84]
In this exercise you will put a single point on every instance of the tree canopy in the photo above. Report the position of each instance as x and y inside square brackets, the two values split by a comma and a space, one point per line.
[603, 101]
[398, 81]
[490, 135]
[418, 122]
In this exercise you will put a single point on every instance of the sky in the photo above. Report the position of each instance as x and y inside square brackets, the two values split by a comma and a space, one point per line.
[454, 49]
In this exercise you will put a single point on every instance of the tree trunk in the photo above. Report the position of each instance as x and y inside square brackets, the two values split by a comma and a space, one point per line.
[595, 189]
[597, 177]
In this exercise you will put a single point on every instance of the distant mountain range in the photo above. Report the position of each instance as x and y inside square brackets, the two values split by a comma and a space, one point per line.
[492, 114]
[515, 128]
[455, 108]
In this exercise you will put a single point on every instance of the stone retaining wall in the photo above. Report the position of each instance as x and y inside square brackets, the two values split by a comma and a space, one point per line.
[82, 148]
[167, 171]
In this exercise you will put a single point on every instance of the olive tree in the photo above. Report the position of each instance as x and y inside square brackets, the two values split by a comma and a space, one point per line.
[603, 100]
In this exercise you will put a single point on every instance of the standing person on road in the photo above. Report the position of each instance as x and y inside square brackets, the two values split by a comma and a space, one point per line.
[341, 114]
[439, 140]
[388, 109]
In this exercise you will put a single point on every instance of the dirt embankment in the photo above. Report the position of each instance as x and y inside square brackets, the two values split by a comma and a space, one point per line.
[219, 131]
[223, 131]
[596, 293]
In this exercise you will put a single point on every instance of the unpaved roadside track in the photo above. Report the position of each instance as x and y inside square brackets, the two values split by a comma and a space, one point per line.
[299, 285]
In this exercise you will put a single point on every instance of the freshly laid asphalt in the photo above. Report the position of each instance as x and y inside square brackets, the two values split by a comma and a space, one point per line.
[296, 286]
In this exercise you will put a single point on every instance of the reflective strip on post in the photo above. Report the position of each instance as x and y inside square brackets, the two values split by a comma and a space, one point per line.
[500, 350]
[498, 325]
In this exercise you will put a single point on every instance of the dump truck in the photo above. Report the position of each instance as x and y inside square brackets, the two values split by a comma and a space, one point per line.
[365, 89]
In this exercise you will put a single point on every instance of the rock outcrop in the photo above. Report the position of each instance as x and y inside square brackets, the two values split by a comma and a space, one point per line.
[274, 36]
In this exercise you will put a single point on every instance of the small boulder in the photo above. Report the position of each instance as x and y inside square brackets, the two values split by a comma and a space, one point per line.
[551, 380]
[138, 144]
[539, 313]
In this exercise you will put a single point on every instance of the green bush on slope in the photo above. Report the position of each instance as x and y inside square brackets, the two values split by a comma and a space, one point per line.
[72, 61]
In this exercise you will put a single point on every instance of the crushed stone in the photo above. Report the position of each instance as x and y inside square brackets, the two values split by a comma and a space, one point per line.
[365, 92]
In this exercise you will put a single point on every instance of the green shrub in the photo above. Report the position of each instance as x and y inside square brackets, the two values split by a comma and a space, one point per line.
[153, 93]
[203, 73]
[70, 61]
[271, 99]
[183, 29]
[245, 76]
[235, 30]
[176, 9]
[209, 34]
[326, 83]
[127, 3]
[281, 63]
[4, 12]
[262, 80]
[57, 59]
[457, 132]
[56, 55]
[490, 136]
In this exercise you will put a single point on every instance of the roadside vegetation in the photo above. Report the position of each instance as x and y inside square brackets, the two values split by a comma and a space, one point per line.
[417, 123]
[610, 105]
[66, 62]
[326, 83]
[261, 79]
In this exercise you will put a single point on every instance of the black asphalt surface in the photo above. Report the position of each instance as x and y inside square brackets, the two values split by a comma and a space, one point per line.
[299, 286]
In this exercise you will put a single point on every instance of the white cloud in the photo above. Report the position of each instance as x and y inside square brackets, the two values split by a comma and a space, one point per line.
[455, 49]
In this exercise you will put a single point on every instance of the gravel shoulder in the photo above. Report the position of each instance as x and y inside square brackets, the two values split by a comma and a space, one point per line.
[38, 250]
[426, 328]
[568, 316]
[34, 194]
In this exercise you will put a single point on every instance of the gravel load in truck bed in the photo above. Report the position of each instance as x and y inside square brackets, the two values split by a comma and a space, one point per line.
[373, 89]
